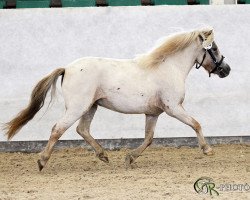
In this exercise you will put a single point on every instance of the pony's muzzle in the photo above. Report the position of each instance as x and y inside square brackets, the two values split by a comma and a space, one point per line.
[224, 71]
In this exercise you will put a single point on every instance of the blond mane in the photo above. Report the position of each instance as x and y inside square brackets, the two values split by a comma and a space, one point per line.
[172, 45]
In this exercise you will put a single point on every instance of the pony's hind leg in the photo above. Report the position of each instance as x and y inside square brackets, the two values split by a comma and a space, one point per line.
[57, 131]
[69, 118]
[149, 133]
[83, 130]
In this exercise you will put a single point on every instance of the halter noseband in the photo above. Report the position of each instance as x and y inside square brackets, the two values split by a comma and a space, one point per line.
[217, 64]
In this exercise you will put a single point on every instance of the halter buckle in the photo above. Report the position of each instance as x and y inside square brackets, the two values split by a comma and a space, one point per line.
[208, 46]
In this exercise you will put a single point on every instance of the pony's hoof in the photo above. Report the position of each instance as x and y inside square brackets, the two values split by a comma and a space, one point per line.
[208, 151]
[130, 159]
[40, 166]
[103, 157]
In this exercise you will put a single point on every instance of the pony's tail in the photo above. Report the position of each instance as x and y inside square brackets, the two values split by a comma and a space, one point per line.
[37, 99]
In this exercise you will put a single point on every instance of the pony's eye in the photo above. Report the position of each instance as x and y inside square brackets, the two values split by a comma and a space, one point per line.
[214, 49]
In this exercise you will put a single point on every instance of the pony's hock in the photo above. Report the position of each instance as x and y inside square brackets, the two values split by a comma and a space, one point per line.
[150, 84]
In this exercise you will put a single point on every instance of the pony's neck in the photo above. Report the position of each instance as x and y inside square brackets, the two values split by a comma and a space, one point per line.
[183, 61]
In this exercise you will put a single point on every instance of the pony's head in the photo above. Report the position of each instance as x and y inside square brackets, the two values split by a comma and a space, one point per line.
[209, 56]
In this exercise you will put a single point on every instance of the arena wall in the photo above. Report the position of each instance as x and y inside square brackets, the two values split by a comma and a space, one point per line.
[33, 42]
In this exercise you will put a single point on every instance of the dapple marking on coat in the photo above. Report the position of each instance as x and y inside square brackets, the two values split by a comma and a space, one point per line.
[149, 84]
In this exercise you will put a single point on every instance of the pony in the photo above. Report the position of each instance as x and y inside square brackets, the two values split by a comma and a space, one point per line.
[149, 84]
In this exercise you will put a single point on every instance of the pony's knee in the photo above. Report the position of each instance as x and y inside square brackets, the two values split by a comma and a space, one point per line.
[196, 126]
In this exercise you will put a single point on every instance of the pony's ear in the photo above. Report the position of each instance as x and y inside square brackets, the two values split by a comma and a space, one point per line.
[207, 33]
[207, 37]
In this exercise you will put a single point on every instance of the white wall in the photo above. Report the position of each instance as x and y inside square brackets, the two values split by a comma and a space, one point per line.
[33, 42]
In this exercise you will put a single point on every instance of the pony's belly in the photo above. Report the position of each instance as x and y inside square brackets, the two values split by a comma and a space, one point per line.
[129, 107]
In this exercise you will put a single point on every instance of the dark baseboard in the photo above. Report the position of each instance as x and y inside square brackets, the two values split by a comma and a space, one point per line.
[113, 144]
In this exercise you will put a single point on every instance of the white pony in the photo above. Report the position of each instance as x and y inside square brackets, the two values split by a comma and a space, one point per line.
[150, 84]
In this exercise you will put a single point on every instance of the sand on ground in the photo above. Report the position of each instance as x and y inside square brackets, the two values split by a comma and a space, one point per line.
[160, 173]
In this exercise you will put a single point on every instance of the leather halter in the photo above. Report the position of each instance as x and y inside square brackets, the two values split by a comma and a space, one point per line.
[217, 63]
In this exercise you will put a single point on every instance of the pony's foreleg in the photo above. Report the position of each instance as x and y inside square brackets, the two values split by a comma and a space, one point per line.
[57, 131]
[149, 134]
[179, 113]
[83, 130]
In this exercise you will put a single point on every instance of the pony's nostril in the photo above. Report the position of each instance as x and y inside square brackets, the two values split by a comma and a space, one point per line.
[227, 68]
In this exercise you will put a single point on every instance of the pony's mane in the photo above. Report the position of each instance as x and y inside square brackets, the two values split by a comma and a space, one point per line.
[171, 45]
